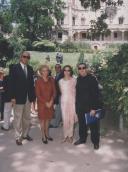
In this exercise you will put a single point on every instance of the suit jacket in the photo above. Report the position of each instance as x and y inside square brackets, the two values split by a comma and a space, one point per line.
[58, 93]
[87, 94]
[22, 87]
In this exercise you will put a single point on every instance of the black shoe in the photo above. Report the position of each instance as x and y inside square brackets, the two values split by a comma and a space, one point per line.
[96, 146]
[49, 138]
[28, 138]
[2, 128]
[44, 141]
[19, 143]
[78, 142]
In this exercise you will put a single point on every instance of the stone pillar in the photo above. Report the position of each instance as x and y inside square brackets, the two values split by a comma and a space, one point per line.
[70, 20]
[122, 35]
[79, 36]
[112, 36]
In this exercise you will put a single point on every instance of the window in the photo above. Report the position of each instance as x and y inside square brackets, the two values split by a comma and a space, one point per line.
[60, 35]
[82, 21]
[115, 35]
[83, 35]
[121, 20]
[62, 21]
[73, 21]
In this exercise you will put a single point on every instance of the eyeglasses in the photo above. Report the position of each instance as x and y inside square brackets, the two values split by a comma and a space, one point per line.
[81, 68]
[68, 70]
[26, 57]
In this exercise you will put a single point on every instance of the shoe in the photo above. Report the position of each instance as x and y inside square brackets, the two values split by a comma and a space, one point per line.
[19, 143]
[96, 146]
[70, 139]
[78, 142]
[49, 138]
[44, 141]
[2, 128]
[28, 138]
[64, 140]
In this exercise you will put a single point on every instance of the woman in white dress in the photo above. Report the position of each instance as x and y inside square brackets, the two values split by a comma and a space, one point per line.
[67, 87]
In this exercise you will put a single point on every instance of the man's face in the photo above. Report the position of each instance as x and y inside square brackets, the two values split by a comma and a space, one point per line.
[82, 70]
[58, 68]
[25, 57]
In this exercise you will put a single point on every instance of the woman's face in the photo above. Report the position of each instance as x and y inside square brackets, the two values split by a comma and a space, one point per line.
[67, 71]
[45, 72]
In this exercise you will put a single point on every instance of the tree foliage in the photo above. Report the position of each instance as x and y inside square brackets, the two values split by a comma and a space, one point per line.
[5, 18]
[34, 19]
[114, 77]
[96, 4]
[6, 50]
[99, 27]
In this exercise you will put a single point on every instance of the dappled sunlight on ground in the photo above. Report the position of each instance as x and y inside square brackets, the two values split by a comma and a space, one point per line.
[57, 157]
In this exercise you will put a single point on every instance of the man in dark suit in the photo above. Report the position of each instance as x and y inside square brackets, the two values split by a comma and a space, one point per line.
[23, 94]
[87, 101]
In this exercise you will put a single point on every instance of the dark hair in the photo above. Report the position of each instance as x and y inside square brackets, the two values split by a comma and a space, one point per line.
[57, 65]
[71, 70]
[82, 64]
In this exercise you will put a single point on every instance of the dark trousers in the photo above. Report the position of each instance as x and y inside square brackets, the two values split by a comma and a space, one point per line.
[83, 129]
[1, 107]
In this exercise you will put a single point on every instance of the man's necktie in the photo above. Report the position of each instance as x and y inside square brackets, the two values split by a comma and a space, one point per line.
[25, 70]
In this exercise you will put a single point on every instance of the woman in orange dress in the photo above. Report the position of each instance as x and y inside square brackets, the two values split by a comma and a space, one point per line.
[45, 92]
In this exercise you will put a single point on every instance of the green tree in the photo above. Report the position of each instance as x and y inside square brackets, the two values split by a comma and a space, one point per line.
[99, 27]
[81, 58]
[6, 51]
[5, 17]
[35, 19]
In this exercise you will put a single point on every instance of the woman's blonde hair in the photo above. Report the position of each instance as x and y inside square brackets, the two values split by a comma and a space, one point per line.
[42, 67]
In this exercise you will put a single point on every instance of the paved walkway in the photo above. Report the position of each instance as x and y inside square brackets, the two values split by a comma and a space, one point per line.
[57, 157]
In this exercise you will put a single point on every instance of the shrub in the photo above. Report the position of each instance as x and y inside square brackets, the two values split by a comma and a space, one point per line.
[17, 46]
[68, 46]
[6, 51]
[114, 78]
[26, 43]
[81, 58]
[44, 45]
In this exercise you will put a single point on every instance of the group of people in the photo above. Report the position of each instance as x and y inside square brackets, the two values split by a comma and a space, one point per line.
[61, 99]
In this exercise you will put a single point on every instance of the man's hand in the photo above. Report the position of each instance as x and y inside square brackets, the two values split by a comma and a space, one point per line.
[49, 104]
[13, 101]
[92, 112]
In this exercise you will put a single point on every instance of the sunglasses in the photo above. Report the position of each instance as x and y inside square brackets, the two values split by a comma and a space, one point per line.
[26, 57]
[81, 68]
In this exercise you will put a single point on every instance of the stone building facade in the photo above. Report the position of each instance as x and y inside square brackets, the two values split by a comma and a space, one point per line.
[76, 22]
